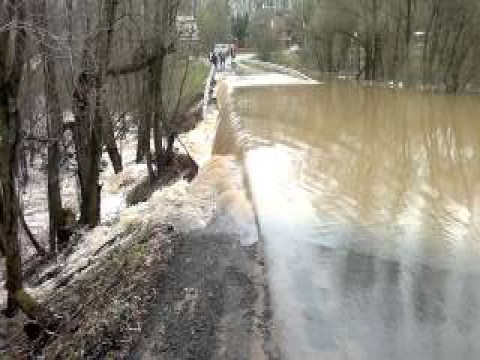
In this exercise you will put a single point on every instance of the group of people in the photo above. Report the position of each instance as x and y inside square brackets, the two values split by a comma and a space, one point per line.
[218, 57]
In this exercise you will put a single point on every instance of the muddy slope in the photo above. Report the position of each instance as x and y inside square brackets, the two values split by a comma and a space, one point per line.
[213, 303]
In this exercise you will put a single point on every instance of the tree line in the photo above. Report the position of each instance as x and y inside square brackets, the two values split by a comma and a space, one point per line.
[74, 70]
[434, 43]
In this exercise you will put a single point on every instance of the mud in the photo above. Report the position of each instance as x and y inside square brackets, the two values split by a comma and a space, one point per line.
[213, 304]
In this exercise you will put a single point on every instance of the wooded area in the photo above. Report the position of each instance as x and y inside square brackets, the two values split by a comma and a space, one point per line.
[77, 75]
[71, 73]
[434, 43]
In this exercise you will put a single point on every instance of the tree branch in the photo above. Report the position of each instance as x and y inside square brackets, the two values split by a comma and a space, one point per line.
[131, 68]
[141, 65]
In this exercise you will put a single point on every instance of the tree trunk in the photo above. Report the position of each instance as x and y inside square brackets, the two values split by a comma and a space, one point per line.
[157, 74]
[9, 133]
[110, 143]
[169, 152]
[2, 242]
[158, 142]
[378, 58]
[408, 30]
[54, 128]
[148, 151]
[144, 122]
[12, 46]
[89, 129]
[142, 138]
[369, 66]
[40, 250]
[81, 135]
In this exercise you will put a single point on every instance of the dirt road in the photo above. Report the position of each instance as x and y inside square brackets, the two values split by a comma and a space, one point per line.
[213, 303]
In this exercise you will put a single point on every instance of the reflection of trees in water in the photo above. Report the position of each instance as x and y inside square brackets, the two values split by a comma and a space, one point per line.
[429, 295]
[381, 153]
[359, 271]
[372, 287]
[468, 304]
[372, 157]
[368, 279]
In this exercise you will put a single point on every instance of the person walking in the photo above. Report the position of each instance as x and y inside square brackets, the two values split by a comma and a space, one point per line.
[214, 59]
[233, 63]
[222, 60]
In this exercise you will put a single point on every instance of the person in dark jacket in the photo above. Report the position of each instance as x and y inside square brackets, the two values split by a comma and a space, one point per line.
[214, 59]
[222, 60]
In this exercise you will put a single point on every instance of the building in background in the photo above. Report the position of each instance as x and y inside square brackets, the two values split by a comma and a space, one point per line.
[277, 5]
[187, 28]
[251, 6]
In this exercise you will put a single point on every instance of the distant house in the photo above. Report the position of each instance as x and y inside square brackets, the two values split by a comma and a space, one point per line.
[277, 5]
[251, 6]
[187, 28]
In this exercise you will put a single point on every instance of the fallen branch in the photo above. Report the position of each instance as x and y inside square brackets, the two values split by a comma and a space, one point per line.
[40, 250]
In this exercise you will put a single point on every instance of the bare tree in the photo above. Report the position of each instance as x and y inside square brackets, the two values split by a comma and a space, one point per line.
[431, 42]
[12, 58]
[54, 129]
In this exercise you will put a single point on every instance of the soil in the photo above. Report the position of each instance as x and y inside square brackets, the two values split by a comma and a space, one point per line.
[213, 303]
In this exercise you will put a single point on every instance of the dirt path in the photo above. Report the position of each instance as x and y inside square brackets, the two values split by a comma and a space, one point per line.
[213, 304]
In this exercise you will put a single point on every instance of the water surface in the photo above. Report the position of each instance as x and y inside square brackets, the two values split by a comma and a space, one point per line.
[368, 201]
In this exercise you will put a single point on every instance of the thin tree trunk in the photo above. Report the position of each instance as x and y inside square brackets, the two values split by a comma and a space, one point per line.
[148, 151]
[158, 142]
[2, 242]
[110, 143]
[142, 138]
[81, 136]
[40, 250]
[169, 152]
[408, 30]
[54, 128]
[369, 70]
[157, 78]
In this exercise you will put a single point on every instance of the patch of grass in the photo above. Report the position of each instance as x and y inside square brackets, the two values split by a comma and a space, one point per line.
[197, 73]
[103, 311]
[287, 58]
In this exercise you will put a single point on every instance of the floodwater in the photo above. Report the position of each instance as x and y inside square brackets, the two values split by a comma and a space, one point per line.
[368, 201]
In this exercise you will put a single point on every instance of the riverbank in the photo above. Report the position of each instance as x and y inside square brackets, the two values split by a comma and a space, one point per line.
[173, 272]
[216, 305]
[295, 61]
[121, 257]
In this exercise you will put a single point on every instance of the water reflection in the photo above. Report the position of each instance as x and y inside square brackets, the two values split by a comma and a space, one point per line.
[401, 165]
[368, 200]
[429, 295]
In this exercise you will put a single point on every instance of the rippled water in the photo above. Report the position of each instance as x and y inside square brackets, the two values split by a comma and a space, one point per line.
[368, 200]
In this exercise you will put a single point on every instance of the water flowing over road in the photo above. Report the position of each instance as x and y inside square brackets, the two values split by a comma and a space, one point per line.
[368, 203]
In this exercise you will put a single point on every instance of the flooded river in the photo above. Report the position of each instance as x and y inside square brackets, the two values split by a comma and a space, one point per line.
[368, 202]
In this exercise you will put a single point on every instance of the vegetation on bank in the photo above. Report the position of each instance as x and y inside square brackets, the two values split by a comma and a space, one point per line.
[102, 314]
[76, 77]
[432, 43]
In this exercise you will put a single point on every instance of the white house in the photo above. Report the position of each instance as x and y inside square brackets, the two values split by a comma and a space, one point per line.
[187, 28]
[250, 6]
[277, 4]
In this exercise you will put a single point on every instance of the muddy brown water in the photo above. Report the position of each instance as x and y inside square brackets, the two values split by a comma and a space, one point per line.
[368, 202]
